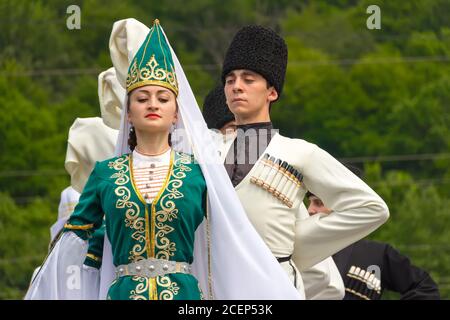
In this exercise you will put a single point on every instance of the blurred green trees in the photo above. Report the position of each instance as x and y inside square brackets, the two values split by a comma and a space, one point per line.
[377, 98]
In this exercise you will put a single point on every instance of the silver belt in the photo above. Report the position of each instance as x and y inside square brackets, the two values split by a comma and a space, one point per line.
[152, 267]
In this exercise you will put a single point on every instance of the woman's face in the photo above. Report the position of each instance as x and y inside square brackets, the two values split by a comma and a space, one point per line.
[152, 109]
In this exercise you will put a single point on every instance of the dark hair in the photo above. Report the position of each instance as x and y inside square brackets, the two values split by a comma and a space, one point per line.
[132, 139]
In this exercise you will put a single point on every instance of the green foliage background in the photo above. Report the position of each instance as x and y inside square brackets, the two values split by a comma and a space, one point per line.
[376, 98]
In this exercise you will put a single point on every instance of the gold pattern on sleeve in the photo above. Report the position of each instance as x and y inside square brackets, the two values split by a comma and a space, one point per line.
[81, 227]
[93, 257]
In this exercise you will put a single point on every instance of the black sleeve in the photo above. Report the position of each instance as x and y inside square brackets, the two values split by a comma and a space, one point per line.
[399, 275]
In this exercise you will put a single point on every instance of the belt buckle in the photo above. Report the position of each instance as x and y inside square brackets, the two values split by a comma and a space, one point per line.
[154, 267]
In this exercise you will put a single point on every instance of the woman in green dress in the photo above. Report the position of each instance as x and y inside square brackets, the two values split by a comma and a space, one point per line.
[153, 201]
[149, 203]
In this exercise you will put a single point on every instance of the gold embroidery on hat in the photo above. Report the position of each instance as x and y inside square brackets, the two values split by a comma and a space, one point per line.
[149, 74]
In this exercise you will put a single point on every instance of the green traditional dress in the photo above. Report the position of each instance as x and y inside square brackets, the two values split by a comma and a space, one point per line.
[163, 229]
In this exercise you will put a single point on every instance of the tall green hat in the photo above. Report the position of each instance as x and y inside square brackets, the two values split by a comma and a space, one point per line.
[153, 64]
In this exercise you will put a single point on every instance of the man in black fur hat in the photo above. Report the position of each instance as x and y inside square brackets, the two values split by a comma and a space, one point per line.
[322, 281]
[272, 173]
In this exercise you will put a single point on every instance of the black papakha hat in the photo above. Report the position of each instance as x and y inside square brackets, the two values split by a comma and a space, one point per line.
[258, 49]
[215, 109]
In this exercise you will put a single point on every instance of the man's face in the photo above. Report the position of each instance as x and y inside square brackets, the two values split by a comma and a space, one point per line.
[316, 205]
[248, 94]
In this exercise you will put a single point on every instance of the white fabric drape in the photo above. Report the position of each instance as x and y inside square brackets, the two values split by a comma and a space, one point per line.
[89, 140]
[68, 201]
[110, 95]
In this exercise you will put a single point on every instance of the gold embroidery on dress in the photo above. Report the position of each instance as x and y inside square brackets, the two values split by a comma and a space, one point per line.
[168, 211]
[141, 287]
[132, 219]
[76, 227]
[170, 288]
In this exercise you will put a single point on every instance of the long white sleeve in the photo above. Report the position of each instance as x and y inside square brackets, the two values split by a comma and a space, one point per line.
[357, 209]
[63, 275]
[323, 280]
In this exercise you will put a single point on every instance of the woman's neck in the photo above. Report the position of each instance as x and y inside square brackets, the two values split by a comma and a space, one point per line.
[152, 143]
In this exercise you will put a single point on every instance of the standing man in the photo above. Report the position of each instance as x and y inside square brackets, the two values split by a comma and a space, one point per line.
[323, 280]
[271, 173]
[393, 271]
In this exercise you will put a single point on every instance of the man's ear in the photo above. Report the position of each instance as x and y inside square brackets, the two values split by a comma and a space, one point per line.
[273, 94]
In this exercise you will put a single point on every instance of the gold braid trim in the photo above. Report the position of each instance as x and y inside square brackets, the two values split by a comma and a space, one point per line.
[208, 240]
[93, 257]
[82, 227]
